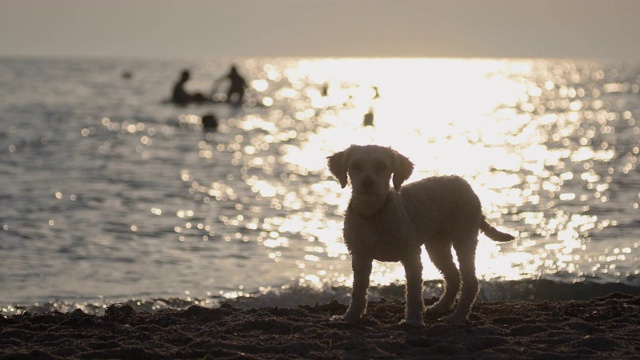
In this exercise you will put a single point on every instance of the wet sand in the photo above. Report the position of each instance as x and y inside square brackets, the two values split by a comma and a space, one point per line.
[604, 328]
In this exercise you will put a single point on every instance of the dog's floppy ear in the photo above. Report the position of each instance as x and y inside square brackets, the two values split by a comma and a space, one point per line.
[403, 168]
[338, 166]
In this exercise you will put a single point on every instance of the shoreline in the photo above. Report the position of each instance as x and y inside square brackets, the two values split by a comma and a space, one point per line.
[292, 296]
[605, 327]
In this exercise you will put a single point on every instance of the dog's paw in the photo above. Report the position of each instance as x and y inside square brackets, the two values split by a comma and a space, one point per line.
[457, 320]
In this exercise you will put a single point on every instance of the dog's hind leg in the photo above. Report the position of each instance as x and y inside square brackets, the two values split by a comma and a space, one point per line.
[415, 303]
[440, 255]
[466, 252]
[361, 273]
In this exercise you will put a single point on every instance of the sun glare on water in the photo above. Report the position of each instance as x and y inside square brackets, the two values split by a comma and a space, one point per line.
[441, 114]
[530, 137]
[479, 119]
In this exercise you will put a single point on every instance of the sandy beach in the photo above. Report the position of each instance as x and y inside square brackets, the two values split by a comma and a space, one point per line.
[604, 328]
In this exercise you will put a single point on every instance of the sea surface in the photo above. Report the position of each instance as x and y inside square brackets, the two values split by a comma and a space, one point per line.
[109, 194]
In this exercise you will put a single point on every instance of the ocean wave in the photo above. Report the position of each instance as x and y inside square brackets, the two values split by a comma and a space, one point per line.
[291, 296]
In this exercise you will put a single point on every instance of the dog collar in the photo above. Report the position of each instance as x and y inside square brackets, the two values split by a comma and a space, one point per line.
[375, 215]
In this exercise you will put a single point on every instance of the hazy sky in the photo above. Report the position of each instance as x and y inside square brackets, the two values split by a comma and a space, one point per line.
[600, 29]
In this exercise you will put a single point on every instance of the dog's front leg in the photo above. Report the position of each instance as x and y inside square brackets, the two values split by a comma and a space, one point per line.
[415, 303]
[361, 273]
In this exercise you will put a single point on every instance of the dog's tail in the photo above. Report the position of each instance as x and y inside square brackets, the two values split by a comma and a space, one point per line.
[493, 233]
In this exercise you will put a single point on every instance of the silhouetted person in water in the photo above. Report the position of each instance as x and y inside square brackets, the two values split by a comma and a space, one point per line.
[368, 118]
[209, 122]
[325, 89]
[235, 93]
[180, 96]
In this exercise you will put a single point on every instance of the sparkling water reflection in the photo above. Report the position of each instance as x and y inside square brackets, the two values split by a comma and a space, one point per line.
[109, 192]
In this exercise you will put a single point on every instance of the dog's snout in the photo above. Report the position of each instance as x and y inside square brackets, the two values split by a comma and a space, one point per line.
[367, 182]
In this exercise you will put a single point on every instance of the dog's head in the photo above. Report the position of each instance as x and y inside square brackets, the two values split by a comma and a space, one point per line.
[370, 168]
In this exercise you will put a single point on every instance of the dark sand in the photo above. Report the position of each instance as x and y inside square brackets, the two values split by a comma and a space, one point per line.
[604, 328]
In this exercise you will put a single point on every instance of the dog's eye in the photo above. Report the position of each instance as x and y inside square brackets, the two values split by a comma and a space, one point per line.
[356, 166]
[380, 166]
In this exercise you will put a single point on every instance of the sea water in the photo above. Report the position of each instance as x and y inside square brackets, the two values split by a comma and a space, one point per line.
[110, 194]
